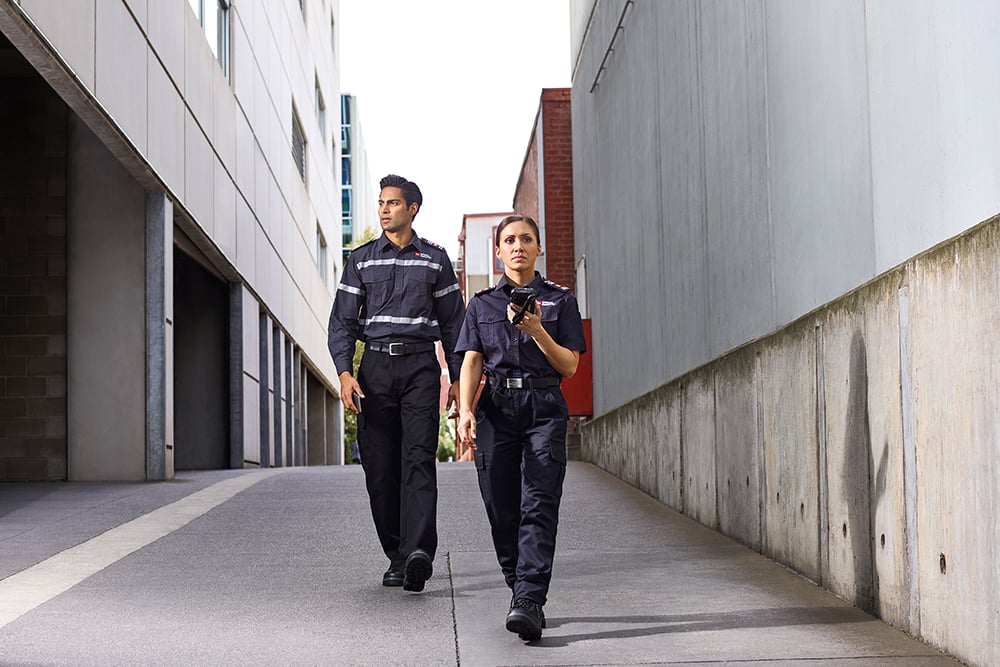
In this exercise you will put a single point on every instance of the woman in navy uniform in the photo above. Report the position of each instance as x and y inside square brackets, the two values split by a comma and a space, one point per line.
[518, 428]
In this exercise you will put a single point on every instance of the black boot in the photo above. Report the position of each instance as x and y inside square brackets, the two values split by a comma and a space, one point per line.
[526, 619]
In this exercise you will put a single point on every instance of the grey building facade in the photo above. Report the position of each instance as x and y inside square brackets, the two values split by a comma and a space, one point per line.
[787, 226]
[169, 236]
[772, 156]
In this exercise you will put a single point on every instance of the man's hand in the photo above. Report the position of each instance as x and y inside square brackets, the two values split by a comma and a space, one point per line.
[348, 385]
[452, 405]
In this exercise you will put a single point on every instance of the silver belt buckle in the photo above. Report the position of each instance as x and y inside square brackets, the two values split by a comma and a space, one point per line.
[396, 349]
[515, 383]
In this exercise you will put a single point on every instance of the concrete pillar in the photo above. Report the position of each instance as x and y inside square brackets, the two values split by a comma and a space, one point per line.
[278, 395]
[266, 428]
[288, 393]
[106, 326]
[159, 337]
[236, 398]
[244, 377]
[298, 409]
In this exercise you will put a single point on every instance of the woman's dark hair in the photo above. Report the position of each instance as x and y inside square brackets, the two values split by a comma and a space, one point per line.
[411, 193]
[516, 218]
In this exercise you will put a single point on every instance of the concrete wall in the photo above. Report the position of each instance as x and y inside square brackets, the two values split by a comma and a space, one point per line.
[857, 445]
[741, 162]
[106, 326]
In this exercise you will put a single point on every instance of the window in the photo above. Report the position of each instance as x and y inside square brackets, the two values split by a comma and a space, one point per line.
[346, 223]
[321, 260]
[345, 110]
[298, 145]
[320, 110]
[345, 139]
[345, 202]
[213, 17]
[345, 171]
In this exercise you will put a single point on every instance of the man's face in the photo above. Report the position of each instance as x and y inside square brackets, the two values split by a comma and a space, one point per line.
[393, 213]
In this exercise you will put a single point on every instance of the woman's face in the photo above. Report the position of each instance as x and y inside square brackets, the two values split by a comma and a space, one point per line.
[518, 247]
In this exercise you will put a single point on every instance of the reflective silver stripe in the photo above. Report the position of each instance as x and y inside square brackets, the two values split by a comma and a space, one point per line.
[400, 320]
[399, 262]
[375, 262]
[446, 290]
[349, 289]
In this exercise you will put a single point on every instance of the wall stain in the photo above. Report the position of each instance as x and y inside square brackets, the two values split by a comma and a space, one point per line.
[862, 491]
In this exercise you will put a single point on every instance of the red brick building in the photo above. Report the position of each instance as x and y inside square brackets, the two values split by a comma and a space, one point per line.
[545, 187]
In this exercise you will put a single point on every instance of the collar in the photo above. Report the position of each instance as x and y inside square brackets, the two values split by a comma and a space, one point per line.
[507, 286]
[416, 242]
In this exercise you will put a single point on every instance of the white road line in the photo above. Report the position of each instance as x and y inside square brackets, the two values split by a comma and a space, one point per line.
[22, 592]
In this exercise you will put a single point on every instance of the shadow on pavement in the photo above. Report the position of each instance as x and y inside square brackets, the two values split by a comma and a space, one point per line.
[749, 618]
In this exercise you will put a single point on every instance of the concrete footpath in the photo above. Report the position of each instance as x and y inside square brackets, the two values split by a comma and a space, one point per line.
[282, 567]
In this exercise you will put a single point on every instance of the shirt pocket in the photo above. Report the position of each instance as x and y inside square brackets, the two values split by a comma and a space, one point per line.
[419, 285]
[377, 280]
[495, 330]
[550, 320]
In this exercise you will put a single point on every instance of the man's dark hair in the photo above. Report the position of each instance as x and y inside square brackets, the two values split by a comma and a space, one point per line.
[411, 193]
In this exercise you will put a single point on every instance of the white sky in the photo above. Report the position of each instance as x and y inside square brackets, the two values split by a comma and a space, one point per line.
[447, 95]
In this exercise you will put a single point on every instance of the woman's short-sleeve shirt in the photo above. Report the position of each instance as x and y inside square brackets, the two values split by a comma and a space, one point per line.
[507, 352]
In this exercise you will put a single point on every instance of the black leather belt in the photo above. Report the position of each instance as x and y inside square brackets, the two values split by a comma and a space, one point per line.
[399, 349]
[525, 383]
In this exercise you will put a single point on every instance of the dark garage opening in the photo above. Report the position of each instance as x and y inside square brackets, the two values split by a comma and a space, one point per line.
[201, 367]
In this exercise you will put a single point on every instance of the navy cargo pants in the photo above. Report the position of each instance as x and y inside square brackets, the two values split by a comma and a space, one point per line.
[521, 463]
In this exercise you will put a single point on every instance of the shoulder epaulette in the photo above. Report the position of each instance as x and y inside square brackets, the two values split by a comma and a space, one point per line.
[431, 243]
[556, 285]
[485, 290]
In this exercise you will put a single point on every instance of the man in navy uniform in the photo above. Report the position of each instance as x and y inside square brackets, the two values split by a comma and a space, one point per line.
[398, 294]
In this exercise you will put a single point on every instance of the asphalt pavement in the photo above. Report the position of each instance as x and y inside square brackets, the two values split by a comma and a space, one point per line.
[282, 567]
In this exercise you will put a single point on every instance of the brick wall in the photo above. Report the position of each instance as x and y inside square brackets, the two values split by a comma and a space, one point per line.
[526, 195]
[557, 186]
[32, 281]
[557, 156]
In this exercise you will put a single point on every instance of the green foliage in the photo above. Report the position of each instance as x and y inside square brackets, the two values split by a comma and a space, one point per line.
[367, 235]
[351, 419]
[446, 438]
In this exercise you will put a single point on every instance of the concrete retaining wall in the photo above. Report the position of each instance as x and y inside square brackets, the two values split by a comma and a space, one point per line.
[858, 445]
